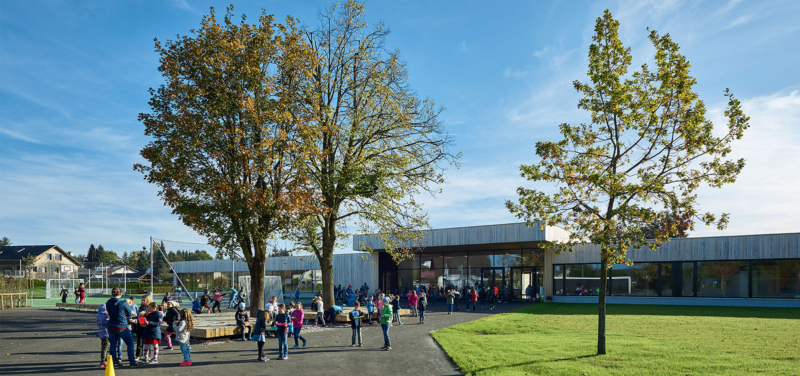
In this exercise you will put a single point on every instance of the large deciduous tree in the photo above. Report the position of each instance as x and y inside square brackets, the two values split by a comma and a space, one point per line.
[228, 127]
[380, 143]
[646, 150]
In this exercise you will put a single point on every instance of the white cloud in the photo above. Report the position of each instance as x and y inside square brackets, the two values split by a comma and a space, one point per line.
[741, 20]
[19, 136]
[542, 52]
[764, 198]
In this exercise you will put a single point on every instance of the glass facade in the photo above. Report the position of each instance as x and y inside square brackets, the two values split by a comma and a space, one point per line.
[582, 279]
[776, 279]
[639, 279]
[722, 279]
[461, 269]
[717, 279]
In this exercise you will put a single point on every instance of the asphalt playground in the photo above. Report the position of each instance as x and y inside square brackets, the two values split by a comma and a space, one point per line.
[40, 341]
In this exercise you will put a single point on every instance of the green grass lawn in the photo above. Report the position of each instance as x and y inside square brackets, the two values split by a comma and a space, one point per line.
[561, 339]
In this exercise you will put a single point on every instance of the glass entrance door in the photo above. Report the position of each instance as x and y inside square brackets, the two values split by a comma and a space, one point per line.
[525, 282]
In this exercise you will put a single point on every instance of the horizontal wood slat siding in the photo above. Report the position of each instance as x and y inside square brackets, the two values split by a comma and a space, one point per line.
[493, 234]
[745, 247]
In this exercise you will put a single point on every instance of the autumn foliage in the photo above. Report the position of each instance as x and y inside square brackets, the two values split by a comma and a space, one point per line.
[228, 130]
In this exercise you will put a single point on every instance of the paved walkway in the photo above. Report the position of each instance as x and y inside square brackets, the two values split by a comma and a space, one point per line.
[38, 341]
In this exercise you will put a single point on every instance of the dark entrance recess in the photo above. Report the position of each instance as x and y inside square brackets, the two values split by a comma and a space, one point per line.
[387, 272]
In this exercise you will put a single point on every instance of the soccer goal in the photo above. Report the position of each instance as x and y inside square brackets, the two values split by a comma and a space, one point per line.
[272, 287]
[54, 287]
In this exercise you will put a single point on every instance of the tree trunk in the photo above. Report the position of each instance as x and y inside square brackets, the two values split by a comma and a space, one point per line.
[601, 306]
[326, 263]
[256, 266]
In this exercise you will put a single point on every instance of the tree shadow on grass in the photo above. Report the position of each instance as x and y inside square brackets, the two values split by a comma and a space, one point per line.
[566, 309]
[498, 367]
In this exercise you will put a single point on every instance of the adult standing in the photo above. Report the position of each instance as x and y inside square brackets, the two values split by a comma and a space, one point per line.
[82, 293]
[119, 313]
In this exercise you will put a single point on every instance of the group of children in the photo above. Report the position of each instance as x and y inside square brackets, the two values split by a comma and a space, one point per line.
[280, 319]
[146, 322]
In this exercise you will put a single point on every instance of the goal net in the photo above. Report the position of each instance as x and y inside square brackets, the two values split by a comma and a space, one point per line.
[53, 288]
[272, 287]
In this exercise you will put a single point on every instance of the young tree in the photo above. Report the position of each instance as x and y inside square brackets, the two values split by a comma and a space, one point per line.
[229, 126]
[5, 242]
[649, 145]
[380, 144]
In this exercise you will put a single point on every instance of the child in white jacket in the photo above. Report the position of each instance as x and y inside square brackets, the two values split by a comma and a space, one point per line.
[183, 330]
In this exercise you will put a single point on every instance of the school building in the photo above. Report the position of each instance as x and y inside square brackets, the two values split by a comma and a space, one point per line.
[746, 270]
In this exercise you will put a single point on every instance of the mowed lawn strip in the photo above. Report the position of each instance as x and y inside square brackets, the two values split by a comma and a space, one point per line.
[561, 339]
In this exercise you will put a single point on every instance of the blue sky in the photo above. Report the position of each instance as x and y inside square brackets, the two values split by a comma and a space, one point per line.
[74, 75]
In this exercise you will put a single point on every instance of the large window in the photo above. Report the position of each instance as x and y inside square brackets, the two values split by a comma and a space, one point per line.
[532, 257]
[431, 262]
[431, 277]
[407, 277]
[722, 279]
[409, 263]
[558, 279]
[582, 279]
[455, 260]
[776, 279]
[639, 279]
[482, 259]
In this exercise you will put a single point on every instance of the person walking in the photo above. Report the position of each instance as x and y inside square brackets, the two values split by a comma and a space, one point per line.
[422, 305]
[297, 324]
[64, 294]
[386, 322]
[473, 297]
[233, 296]
[396, 309]
[355, 323]
[82, 293]
[102, 333]
[204, 302]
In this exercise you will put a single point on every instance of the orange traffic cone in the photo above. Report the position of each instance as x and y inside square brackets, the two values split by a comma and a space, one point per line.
[110, 366]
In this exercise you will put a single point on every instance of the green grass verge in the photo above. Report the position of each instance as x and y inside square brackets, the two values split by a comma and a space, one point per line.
[561, 339]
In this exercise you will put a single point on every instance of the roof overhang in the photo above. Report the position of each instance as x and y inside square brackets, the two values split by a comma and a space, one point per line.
[503, 236]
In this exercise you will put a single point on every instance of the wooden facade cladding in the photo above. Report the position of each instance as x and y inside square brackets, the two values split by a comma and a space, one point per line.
[476, 235]
[742, 247]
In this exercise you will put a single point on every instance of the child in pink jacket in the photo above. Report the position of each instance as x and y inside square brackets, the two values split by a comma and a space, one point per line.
[297, 324]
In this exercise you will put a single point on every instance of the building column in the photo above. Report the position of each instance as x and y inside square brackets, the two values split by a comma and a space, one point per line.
[548, 273]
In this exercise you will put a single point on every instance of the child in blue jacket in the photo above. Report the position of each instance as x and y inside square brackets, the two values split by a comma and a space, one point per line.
[370, 309]
[152, 332]
[102, 333]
